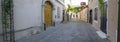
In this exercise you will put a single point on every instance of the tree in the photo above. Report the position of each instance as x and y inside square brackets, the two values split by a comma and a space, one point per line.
[69, 8]
[73, 9]
[101, 6]
[76, 9]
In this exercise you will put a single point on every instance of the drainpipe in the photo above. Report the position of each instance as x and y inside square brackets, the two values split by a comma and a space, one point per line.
[118, 31]
[43, 24]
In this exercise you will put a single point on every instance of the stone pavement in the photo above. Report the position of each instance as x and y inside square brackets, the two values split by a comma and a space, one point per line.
[1, 38]
[68, 32]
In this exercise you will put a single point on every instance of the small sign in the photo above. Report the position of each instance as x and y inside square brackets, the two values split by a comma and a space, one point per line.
[83, 3]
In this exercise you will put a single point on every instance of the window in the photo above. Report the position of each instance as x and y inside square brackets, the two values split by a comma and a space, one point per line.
[58, 12]
[96, 14]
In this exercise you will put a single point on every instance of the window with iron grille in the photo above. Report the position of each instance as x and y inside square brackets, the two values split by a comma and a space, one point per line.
[96, 14]
[58, 12]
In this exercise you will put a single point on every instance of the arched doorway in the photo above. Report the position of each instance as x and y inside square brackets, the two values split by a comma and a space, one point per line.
[48, 10]
[90, 17]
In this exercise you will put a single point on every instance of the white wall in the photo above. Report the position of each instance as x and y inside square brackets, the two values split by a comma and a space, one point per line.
[27, 13]
[61, 11]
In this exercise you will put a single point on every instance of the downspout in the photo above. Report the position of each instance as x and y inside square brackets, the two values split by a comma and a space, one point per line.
[118, 31]
[42, 16]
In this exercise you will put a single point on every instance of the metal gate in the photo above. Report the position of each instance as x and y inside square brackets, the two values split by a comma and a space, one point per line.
[103, 18]
[7, 21]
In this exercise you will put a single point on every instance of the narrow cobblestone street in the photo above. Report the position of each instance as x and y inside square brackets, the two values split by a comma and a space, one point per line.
[67, 32]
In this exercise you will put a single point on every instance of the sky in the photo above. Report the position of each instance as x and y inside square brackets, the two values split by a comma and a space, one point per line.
[75, 2]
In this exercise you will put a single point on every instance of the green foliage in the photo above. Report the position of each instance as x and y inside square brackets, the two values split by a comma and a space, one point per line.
[6, 11]
[101, 7]
[69, 8]
[73, 9]
[76, 9]
[101, 3]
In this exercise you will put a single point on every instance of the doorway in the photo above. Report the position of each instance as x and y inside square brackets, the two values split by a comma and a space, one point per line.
[48, 10]
[90, 17]
[103, 19]
[63, 19]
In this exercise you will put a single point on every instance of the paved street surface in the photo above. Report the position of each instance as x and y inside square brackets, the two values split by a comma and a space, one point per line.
[1, 39]
[67, 32]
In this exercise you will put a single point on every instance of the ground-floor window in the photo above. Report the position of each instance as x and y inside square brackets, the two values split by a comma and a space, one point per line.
[96, 14]
[58, 12]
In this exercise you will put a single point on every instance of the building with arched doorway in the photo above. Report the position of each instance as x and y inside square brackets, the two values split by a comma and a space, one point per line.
[106, 23]
[48, 13]
[96, 19]
[53, 12]
[31, 15]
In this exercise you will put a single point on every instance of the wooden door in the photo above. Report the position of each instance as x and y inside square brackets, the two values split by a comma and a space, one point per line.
[48, 14]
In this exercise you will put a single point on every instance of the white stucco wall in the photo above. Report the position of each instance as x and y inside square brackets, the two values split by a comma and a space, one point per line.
[27, 13]
[61, 11]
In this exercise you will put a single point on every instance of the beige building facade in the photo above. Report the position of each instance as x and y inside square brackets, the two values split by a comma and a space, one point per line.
[111, 21]
[82, 15]
[92, 4]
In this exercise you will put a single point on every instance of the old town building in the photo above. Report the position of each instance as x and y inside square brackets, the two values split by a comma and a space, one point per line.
[83, 14]
[106, 24]
[31, 16]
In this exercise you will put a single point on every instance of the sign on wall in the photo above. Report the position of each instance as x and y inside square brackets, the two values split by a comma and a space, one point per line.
[83, 3]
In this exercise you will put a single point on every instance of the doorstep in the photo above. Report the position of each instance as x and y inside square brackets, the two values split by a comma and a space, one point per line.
[101, 34]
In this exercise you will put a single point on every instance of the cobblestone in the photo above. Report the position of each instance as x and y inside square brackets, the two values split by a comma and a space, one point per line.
[69, 32]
